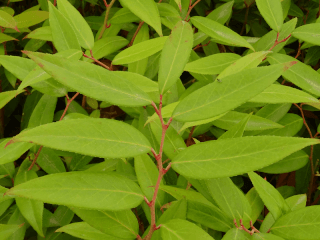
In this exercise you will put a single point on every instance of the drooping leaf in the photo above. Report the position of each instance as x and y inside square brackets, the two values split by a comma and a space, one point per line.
[175, 55]
[220, 33]
[219, 97]
[271, 11]
[89, 136]
[230, 157]
[93, 190]
[91, 80]
[80, 26]
[30, 18]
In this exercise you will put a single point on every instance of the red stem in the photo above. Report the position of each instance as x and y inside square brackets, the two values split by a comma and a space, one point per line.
[96, 60]
[190, 8]
[136, 33]
[278, 42]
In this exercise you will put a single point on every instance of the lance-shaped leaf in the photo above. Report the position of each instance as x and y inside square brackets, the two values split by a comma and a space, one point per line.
[230, 157]
[8, 229]
[140, 51]
[30, 18]
[219, 33]
[179, 229]
[124, 15]
[147, 10]
[89, 136]
[6, 38]
[80, 26]
[7, 96]
[42, 33]
[236, 234]
[271, 11]
[237, 130]
[93, 190]
[300, 74]
[63, 35]
[175, 55]
[7, 21]
[228, 93]
[91, 80]
[12, 152]
[213, 64]
[308, 33]
[222, 13]
[265, 236]
[269, 195]
[300, 224]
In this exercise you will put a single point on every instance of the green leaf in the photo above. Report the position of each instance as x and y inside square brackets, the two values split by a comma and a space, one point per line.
[89, 136]
[230, 157]
[83, 230]
[30, 18]
[63, 35]
[300, 74]
[93, 190]
[80, 26]
[269, 195]
[213, 64]
[91, 80]
[50, 162]
[178, 229]
[308, 33]
[265, 236]
[175, 55]
[222, 13]
[271, 11]
[169, 15]
[237, 130]
[121, 224]
[219, 33]
[42, 33]
[256, 204]
[7, 96]
[299, 224]
[124, 15]
[219, 97]
[7, 21]
[8, 229]
[6, 38]
[146, 10]
[140, 51]
[12, 152]
[236, 234]
[277, 93]
[18, 66]
[291, 163]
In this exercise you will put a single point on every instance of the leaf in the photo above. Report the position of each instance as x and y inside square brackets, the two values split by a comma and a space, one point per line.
[140, 51]
[265, 236]
[277, 93]
[175, 55]
[6, 38]
[18, 66]
[256, 205]
[89, 136]
[308, 33]
[178, 229]
[83, 230]
[63, 35]
[30, 18]
[219, 33]
[236, 234]
[291, 163]
[80, 26]
[91, 80]
[146, 10]
[300, 74]
[219, 97]
[230, 157]
[7, 21]
[8, 229]
[94, 190]
[7, 96]
[13, 151]
[222, 13]
[120, 224]
[300, 224]
[50, 162]
[271, 11]
[237, 130]
[124, 15]
[213, 64]
[269, 195]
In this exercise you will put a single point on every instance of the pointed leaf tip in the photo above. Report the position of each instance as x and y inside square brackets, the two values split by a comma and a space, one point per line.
[16, 28]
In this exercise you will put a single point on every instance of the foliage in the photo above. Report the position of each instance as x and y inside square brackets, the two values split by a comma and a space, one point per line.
[170, 119]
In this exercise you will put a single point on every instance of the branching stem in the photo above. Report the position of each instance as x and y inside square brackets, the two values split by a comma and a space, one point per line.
[105, 26]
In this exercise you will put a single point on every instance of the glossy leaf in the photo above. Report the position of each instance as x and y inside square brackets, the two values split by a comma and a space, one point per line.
[80, 26]
[30, 18]
[95, 133]
[211, 160]
[91, 80]
[271, 11]
[101, 191]
[175, 55]
[220, 33]
[220, 97]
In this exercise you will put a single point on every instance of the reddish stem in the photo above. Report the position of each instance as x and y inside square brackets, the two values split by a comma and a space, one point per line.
[136, 33]
[105, 23]
[190, 8]
[278, 42]
[96, 60]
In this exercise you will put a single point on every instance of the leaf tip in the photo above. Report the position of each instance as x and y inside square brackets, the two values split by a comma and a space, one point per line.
[8, 143]
[16, 28]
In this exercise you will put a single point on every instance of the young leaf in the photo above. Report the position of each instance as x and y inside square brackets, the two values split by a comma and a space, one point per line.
[30, 18]
[178, 229]
[299, 224]
[308, 33]
[93, 190]
[89, 136]
[269, 195]
[220, 33]
[271, 11]
[175, 55]
[220, 97]
[140, 51]
[80, 26]
[230, 157]
[146, 10]
[63, 35]
[91, 80]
